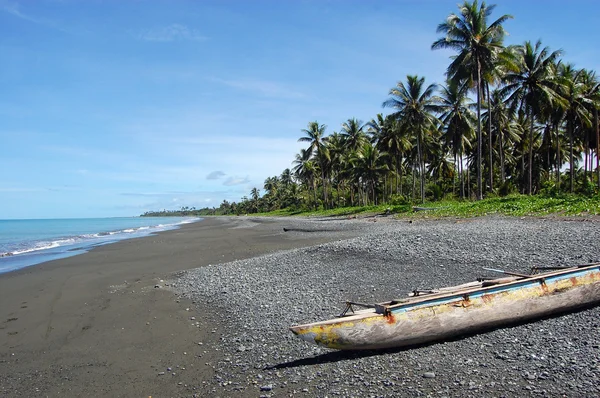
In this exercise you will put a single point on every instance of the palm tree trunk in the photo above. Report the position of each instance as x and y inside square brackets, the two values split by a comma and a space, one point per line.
[421, 167]
[530, 185]
[314, 184]
[489, 102]
[597, 129]
[457, 171]
[414, 182]
[571, 166]
[557, 156]
[586, 152]
[325, 204]
[462, 177]
[501, 152]
[479, 172]
[397, 174]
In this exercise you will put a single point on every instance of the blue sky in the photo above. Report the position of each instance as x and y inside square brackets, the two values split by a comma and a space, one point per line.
[113, 108]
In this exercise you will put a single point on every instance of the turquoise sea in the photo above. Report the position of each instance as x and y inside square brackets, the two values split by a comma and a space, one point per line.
[24, 243]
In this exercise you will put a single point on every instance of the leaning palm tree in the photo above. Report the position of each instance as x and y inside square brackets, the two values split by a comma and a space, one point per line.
[315, 136]
[478, 45]
[532, 87]
[415, 106]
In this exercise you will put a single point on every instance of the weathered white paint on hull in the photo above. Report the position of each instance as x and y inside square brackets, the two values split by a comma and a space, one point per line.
[450, 315]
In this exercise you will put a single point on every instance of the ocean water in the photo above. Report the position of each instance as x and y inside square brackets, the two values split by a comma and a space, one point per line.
[24, 243]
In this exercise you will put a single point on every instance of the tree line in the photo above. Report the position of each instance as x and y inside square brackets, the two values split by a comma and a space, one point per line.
[508, 119]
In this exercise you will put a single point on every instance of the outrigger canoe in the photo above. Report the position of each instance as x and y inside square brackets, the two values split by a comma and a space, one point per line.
[437, 315]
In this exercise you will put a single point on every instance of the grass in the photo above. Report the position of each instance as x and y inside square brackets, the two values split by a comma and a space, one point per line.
[513, 205]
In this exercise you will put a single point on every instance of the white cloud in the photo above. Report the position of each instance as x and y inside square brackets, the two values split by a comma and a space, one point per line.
[263, 87]
[231, 181]
[215, 175]
[173, 32]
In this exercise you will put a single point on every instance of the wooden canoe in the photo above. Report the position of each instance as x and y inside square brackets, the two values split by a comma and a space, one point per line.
[450, 312]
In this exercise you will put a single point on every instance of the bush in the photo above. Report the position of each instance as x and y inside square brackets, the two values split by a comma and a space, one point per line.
[506, 188]
[398, 200]
[434, 192]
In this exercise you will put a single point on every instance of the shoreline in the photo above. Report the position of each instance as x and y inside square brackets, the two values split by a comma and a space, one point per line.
[64, 238]
[95, 324]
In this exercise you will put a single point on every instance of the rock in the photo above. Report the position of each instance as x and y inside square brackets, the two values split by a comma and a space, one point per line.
[429, 375]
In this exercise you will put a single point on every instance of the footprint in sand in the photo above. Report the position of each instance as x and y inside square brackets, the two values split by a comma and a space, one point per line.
[11, 319]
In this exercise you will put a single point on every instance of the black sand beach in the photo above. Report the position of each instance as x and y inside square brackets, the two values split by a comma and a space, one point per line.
[204, 311]
[95, 325]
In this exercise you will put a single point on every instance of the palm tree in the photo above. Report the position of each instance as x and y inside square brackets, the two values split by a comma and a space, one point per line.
[255, 195]
[305, 170]
[458, 121]
[286, 178]
[353, 132]
[591, 95]
[336, 148]
[369, 165]
[389, 137]
[315, 136]
[532, 87]
[499, 116]
[478, 46]
[415, 107]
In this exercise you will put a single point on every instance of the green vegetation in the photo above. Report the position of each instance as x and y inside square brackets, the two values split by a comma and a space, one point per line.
[512, 205]
[531, 129]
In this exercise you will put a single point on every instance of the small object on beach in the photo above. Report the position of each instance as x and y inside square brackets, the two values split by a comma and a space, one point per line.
[429, 375]
[169, 369]
[268, 387]
[161, 373]
[156, 286]
[193, 318]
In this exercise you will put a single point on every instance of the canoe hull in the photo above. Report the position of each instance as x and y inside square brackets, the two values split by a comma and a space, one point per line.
[458, 314]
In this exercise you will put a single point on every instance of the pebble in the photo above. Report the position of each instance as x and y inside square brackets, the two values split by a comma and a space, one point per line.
[259, 298]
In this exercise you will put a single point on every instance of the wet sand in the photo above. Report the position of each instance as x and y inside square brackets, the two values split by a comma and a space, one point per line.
[96, 325]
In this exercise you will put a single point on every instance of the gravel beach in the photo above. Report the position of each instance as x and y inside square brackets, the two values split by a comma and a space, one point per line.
[254, 301]
[204, 311]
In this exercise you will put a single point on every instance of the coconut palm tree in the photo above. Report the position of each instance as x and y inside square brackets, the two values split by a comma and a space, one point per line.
[499, 116]
[532, 87]
[591, 94]
[478, 45]
[415, 106]
[305, 170]
[369, 165]
[458, 120]
[388, 136]
[572, 91]
[315, 136]
[336, 148]
[353, 132]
